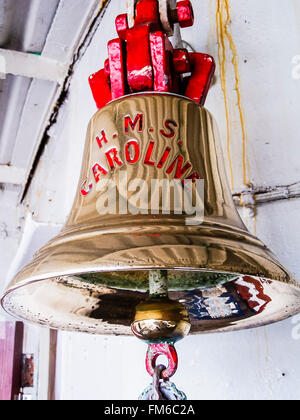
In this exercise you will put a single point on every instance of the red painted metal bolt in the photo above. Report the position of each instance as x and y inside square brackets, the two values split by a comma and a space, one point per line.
[203, 69]
[100, 88]
[147, 13]
[181, 61]
[183, 14]
[122, 26]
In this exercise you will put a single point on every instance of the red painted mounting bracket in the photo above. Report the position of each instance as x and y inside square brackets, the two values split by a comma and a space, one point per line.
[143, 59]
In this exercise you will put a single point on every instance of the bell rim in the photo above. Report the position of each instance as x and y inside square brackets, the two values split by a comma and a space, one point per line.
[194, 330]
[291, 281]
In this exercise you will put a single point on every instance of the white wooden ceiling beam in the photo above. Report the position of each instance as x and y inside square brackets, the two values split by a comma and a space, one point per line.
[32, 65]
[12, 175]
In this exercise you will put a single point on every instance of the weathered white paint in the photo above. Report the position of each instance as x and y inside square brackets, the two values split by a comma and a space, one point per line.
[33, 66]
[11, 224]
[12, 175]
[258, 364]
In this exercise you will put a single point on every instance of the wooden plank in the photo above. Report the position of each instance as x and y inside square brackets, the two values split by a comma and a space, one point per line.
[11, 343]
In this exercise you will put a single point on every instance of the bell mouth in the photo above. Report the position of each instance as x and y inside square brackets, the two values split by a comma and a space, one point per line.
[105, 303]
[178, 280]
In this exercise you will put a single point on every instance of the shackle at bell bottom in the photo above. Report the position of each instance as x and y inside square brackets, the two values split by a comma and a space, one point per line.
[132, 267]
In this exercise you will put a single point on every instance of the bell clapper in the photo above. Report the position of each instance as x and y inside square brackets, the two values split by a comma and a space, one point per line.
[160, 319]
[161, 322]
[158, 284]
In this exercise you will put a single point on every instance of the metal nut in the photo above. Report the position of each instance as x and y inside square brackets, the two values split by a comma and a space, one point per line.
[181, 61]
[183, 14]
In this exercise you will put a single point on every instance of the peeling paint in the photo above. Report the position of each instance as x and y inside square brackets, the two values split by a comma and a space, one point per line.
[248, 202]
[145, 71]
[254, 196]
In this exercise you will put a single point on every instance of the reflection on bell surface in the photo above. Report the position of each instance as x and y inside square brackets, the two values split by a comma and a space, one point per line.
[95, 273]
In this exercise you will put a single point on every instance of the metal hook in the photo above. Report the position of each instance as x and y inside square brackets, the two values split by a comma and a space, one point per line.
[156, 350]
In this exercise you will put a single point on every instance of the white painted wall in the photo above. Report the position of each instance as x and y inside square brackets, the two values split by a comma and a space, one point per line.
[257, 364]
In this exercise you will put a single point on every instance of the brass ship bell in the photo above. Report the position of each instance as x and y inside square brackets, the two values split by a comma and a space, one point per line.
[206, 274]
[154, 245]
